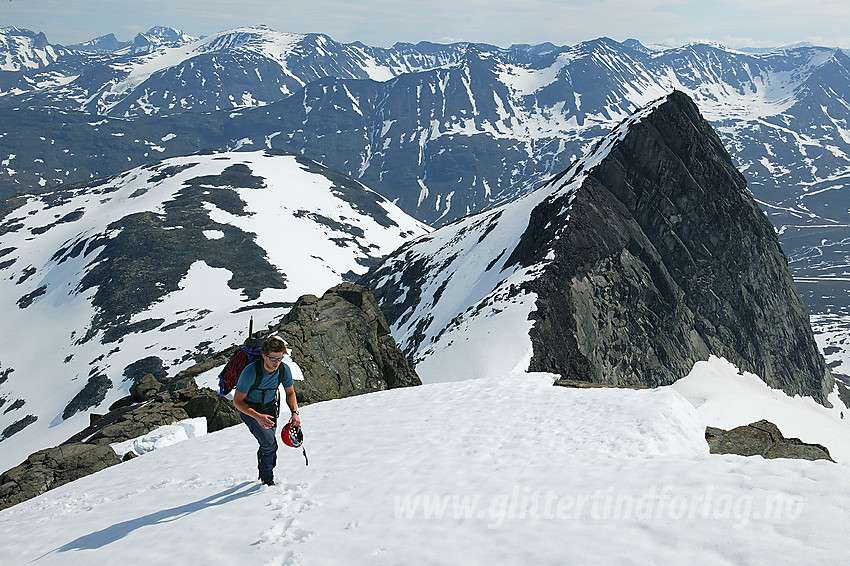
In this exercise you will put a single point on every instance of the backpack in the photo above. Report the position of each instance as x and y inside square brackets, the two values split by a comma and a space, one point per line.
[245, 355]
[250, 351]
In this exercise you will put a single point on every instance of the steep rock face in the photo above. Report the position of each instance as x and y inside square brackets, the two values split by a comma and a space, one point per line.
[666, 259]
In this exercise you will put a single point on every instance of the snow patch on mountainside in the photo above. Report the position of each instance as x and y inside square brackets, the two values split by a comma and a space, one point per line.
[312, 228]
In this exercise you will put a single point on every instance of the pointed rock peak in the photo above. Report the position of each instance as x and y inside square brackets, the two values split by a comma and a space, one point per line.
[665, 260]
[40, 41]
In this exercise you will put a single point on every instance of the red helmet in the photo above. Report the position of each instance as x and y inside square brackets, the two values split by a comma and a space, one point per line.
[292, 435]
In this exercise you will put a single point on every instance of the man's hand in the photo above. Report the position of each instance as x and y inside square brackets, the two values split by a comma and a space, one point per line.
[294, 420]
[266, 421]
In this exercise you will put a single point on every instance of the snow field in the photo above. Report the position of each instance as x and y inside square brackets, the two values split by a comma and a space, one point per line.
[726, 398]
[508, 470]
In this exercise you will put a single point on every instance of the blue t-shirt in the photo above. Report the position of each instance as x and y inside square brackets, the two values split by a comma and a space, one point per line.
[265, 393]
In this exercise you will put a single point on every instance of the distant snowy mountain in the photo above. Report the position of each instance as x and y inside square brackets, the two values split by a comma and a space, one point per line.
[157, 37]
[103, 44]
[23, 49]
[144, 43]
[164, 71]
[146, 271]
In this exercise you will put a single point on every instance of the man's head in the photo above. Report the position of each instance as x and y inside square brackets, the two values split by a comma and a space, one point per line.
[274, 346]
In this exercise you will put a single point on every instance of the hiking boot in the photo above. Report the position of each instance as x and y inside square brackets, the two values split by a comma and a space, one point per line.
[268, 480]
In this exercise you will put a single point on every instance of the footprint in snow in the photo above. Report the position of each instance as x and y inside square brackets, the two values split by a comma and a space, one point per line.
[286, 528]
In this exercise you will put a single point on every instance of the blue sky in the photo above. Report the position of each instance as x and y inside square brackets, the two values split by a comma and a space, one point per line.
[735, 23]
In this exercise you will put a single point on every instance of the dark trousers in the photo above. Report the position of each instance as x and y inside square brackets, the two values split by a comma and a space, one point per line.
[267, 437]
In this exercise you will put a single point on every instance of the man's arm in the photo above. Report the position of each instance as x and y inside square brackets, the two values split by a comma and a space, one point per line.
[292, 403]
[265, 421]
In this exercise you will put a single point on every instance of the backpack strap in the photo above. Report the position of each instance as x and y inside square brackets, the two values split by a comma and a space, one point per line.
[258, 367]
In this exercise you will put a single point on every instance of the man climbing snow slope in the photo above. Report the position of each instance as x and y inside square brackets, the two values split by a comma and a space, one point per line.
[258, 401]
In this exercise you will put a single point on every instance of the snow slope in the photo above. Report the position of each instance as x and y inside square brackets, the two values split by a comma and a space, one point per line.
[726, 398]
[507, 470]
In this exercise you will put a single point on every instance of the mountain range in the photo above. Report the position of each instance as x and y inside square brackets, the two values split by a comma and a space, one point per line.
[441, 130]
[165, 147]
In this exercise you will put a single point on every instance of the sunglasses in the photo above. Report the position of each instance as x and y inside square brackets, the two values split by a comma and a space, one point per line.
[271, 359]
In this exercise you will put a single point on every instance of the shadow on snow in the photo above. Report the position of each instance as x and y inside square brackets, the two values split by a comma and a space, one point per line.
[118, 531]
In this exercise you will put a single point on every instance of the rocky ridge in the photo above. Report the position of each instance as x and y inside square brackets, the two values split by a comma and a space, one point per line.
[641, 259]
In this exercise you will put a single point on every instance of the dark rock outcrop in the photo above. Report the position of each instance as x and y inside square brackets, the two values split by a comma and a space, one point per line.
[664, 259]
[52, 467]
[138, 422]
[219, 411]
[762, 438]
[145, 388]
[89, 396]
[17, 426]
[342, 343]
[152, 404]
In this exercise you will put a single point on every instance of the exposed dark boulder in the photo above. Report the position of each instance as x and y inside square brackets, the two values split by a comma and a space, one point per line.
[51, 468]
[762, 438]
[219, 411]
[138, 422]
[122, 402]
[179, 389]
[145, 388]
[342, 344]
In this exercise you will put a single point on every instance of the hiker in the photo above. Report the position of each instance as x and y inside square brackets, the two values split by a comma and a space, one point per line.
[257, 399]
